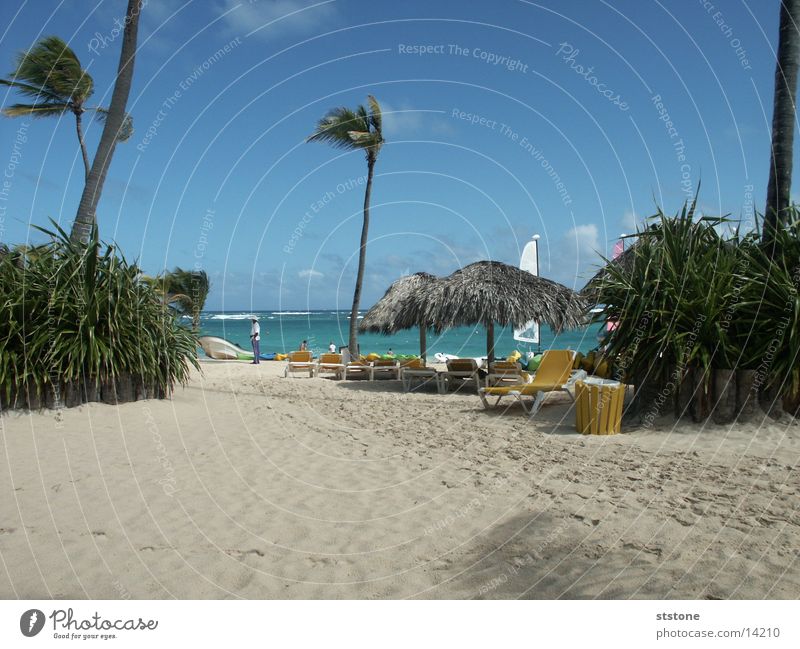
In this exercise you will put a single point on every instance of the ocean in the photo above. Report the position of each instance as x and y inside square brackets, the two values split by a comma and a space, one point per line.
[283, 331]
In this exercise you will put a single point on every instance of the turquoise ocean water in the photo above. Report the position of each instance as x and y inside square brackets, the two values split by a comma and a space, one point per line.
[283, 331]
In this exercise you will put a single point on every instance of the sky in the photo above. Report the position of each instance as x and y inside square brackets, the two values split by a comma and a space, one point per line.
[573, 120]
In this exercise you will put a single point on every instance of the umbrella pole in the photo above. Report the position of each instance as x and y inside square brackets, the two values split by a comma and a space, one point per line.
[423, 345]
[490, 343]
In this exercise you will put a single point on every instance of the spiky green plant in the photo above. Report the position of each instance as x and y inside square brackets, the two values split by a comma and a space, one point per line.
[690, 299]
[51, 74]
[769, 313]
[77, 322]
[361, 129]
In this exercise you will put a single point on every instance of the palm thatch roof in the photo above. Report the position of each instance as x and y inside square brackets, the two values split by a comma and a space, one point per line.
[489, 292]
[401, 307]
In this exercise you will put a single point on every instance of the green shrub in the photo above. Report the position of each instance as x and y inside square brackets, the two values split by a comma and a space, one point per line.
[77, 325]
[689, 300]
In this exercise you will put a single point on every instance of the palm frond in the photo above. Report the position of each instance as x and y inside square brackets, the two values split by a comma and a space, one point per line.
[52, 66]
[363, 139]
[335, 128]
[37, 92]
[36, 110]
[125, 131]
[375, 114]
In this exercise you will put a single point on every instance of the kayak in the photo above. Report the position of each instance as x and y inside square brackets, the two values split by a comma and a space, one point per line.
[225, 350]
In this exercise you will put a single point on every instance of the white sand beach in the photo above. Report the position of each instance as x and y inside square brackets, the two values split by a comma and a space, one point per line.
[249, 485]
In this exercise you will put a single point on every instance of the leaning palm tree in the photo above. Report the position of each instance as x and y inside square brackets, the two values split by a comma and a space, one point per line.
[361, 129]
[783, 118]
[184, 290]
[86, 216]
[188, 290]
[51, 74]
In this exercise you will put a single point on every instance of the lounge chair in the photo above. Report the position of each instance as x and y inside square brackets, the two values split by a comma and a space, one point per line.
[554, 374]
[300, 362]
[414, 370]
[460, 371]
[331, 364]
[505, 373]
[386, 368]
[360, 368]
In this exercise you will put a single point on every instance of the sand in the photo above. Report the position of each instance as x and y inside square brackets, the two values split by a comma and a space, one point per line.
[249, 485]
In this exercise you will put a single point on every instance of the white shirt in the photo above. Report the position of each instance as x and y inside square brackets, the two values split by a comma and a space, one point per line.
[255, 330]
[332, 348]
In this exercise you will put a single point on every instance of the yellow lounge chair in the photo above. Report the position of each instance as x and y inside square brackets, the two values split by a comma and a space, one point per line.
[386, 368]
[300, 362]
[505, 373]
[460, 371]
[414, 370]
[331, 364]
[554, 374]
[359, 368]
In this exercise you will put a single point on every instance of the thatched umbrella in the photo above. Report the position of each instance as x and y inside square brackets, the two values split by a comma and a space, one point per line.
[489, 292]
[401, 307]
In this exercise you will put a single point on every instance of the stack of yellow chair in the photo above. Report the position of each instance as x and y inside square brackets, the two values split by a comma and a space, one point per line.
[598, 409]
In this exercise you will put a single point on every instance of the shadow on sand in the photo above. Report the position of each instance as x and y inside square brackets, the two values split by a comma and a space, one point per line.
[539, 556]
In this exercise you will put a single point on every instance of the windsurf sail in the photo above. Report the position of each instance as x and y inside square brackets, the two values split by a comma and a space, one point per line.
[530, 262]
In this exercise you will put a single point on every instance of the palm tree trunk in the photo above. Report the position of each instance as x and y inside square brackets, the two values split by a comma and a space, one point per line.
[79, 128]
[783, 117]
[362, 258]
[87, 208]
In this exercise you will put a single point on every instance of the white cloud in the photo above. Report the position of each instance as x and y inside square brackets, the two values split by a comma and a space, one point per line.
[583, 241]
[271, 17]
[629, 221]
[403, 121]
[310, 273]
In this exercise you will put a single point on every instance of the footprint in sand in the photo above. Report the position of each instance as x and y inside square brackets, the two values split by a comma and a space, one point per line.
[240, 554]
[319, 562]
[641, 547]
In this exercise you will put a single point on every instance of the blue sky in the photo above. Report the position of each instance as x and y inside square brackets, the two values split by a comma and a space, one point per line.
[503, 119]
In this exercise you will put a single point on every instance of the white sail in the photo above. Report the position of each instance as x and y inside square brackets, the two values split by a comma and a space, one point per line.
[530, 262]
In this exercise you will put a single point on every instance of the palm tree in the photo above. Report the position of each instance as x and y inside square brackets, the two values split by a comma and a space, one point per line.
[187, 290]
[783, 118]
[51, 74]
[359, 130]
[184, 290]
[86, 216]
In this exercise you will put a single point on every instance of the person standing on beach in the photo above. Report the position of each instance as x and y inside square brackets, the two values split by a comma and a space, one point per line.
[304, 346]
[332, 348]
[255, 337]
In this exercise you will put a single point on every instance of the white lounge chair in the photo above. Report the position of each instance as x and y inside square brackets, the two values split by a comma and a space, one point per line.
[506, 373]
[300, 362]
[359, 368]
[414, 371]
[460, 371]
[384, 368]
